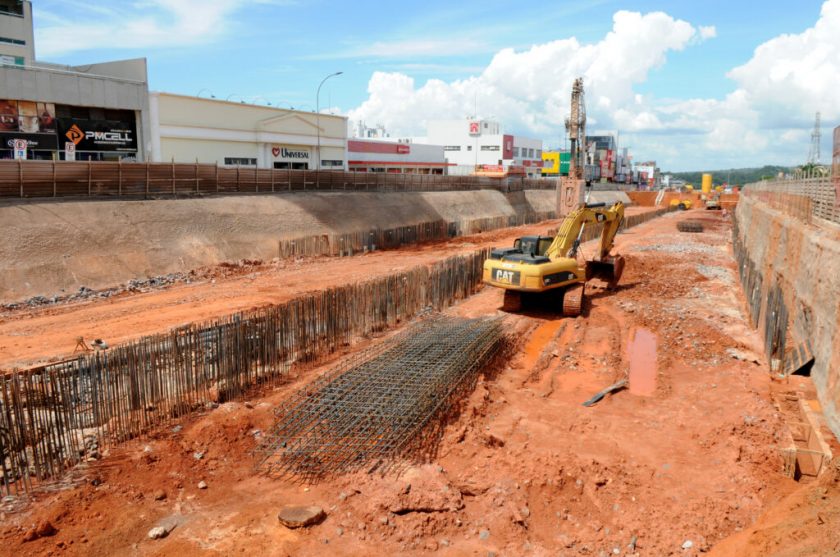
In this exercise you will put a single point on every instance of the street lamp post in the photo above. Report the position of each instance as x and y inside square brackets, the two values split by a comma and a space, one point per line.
[318, 116]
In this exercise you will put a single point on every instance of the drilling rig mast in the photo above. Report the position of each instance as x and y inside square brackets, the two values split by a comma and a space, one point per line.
[576, 127]
[814, 153]
[570, 188]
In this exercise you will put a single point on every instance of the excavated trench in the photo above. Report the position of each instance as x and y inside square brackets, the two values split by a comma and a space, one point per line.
[687, 453]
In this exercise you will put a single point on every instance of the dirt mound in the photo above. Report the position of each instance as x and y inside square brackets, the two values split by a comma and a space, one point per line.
[803, 523]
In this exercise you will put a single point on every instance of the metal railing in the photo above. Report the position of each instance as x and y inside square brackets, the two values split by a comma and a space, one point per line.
[804, 195]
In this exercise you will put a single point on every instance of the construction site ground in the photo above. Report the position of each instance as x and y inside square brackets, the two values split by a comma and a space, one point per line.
[47, 333]
[684, 461]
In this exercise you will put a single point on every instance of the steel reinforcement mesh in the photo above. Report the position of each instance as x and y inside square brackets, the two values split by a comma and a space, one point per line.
[377, 406]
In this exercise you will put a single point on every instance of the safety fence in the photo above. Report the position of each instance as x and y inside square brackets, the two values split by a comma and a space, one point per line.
[39, 179]
[349, 243]
[803, 195]
[54, 416]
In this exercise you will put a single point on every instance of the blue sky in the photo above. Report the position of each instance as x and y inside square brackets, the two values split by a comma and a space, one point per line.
[278, 50]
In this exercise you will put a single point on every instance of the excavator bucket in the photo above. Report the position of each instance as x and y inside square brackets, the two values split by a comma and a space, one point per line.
[608, 270]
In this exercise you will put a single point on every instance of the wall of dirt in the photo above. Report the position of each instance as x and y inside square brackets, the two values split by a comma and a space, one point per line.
[55, 247]
[791, 275]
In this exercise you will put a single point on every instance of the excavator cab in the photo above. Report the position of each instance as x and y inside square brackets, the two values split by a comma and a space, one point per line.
[534, 245]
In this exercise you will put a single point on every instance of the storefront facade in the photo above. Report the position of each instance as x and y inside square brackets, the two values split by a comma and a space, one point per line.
[367, 155]
[44, 130]
[190, 129]
[51, 112]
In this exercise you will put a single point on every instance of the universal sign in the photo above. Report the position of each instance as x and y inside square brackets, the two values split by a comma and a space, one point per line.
[290, 154]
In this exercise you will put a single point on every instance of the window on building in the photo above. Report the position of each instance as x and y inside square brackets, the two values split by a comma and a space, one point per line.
[291, 165]
[539, 153]
[331, 163]
[489, 147]
[11, 7]
[451, 147]
[240, 161]
[516, 151]
[531, 153]
[16, 42]
[469, 147]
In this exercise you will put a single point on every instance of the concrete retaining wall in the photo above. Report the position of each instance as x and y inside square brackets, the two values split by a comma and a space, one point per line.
[791, 275]
[51, 248]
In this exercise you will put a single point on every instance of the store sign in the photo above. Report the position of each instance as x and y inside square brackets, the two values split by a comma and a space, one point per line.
[20, 149]
[475, 128]
[98, 135]
[290, 154]
[69, 151]
[34, 141]
[403, 149]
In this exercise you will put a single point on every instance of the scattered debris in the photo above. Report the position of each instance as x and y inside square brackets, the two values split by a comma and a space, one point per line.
[41, 530]
[617, 386]
[690, 226]
[202, 485]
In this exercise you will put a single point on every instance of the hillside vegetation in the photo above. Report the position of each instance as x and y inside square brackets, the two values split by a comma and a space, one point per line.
[736, 176]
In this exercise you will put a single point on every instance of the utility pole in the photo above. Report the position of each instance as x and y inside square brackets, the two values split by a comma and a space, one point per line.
[318, 116]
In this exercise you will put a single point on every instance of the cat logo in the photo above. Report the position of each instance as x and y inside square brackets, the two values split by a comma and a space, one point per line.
[75, 135]
[508, 277]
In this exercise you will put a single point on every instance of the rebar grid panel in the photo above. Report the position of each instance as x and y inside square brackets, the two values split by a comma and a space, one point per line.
[374, 406]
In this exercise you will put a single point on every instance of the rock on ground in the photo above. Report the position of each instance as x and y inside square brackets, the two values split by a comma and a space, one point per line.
[300, 516]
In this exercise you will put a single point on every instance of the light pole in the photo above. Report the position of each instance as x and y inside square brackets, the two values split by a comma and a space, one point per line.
[318, 116]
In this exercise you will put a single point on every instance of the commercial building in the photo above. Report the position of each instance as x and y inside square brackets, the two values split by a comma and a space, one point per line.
[51, 111]
[395, 157]
[190, 129]
[556, 163]
[474, 146]
[17, 44]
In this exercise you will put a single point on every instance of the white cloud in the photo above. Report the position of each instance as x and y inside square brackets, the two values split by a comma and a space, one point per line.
[148, 24]
[776, 93]
[707, 32]
[529, 90]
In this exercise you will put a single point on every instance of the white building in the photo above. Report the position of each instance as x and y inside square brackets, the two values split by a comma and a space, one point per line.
[475, 146]
[97, 111]
[190, 129]
[366, 155]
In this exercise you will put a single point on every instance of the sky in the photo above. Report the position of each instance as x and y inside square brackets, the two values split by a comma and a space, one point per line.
[693, 85]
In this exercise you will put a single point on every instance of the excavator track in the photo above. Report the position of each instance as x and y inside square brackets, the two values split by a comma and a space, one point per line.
[573, 300]
[512, 301]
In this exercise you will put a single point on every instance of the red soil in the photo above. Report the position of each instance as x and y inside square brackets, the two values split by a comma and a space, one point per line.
[49, 333]
[523, 470]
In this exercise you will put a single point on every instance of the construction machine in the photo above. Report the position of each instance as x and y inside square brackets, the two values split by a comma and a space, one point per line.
[555, 269]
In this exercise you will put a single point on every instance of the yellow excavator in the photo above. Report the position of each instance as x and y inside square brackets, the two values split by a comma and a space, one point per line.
[547, 268]
[552, 267]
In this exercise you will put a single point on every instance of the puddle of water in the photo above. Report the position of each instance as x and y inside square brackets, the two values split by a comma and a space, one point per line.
[641, 351]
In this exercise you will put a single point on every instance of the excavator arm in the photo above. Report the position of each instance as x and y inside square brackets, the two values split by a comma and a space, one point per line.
[569, 236]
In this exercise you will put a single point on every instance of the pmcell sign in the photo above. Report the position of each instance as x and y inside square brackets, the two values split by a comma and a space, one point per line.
[98, 135]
